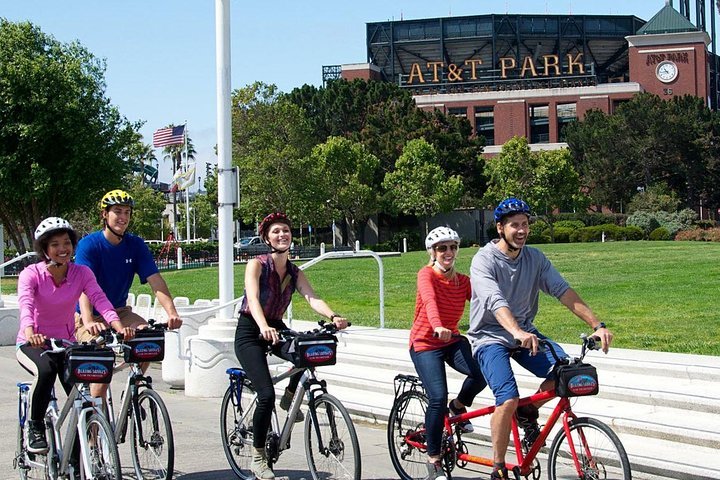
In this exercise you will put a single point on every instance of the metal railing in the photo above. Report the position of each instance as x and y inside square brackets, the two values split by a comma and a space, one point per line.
[350, 254]
[8, 263]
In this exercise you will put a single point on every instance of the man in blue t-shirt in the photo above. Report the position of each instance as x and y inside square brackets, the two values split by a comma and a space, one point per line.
[115, 256]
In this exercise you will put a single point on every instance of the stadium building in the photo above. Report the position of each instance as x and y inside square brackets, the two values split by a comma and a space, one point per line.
[530, 75]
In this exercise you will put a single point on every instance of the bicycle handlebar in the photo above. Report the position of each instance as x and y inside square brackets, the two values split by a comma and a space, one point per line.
[591, 342]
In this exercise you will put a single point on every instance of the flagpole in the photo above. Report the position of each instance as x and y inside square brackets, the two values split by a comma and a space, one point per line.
[187, 190]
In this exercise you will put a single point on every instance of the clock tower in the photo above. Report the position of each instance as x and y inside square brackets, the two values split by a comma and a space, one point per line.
[668, 56]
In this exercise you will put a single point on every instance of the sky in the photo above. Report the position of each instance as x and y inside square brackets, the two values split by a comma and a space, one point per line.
[160, 54]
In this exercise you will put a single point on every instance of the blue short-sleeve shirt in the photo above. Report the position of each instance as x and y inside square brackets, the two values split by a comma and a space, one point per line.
[115, 266]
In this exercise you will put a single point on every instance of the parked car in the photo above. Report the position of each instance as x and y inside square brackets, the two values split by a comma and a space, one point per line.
[250, 246]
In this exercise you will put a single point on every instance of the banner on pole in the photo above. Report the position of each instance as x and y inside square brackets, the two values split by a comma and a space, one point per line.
[183, 180]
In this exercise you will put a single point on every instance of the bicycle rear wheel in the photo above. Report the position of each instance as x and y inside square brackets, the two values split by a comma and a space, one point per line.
[153, 455]
[407, 420]
[600, 454]
[236, 429]
[339, 455]
[103, 455]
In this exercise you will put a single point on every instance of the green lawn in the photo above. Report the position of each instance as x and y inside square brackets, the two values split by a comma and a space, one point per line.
[653, 295]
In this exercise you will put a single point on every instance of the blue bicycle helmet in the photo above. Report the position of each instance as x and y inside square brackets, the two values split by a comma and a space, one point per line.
[510, 206]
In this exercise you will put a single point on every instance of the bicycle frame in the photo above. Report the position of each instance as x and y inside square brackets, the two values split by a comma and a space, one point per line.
[524, 460]
[79, 403]
[135, 380]
[309, 384]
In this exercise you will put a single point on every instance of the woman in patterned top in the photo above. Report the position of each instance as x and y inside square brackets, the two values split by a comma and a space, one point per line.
[270, 281]
[436, 340]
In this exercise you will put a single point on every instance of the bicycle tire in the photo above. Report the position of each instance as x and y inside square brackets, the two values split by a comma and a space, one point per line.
[336, 460]
[20, 453]
[104, 459]
[236, 430]
[155, 458]
[407, 415]
[601, 454]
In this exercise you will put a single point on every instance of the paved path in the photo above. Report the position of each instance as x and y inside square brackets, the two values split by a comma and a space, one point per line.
[199, 454]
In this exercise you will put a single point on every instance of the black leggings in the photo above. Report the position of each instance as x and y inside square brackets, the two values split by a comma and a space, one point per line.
[250, 351]
[45, 368]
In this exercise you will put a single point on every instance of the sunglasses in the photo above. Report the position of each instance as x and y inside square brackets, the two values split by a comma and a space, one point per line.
[443, 248]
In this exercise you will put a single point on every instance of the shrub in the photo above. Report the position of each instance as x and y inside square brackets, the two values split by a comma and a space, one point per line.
[660, 233]
[562, 234]
[671, 221]
[571, 224]
[632, 233]
[644, 220]
[612, 232]
[698, 234]
[706, 224]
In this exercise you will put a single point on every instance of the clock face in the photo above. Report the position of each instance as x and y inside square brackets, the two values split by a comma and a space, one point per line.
[666, 71]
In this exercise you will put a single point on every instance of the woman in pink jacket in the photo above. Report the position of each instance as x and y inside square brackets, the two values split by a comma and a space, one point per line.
[48, 292]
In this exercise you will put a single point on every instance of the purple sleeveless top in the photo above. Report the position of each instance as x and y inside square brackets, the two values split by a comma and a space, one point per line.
[273, 297]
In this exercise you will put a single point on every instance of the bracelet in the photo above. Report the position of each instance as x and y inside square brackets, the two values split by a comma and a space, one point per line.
[599, 326]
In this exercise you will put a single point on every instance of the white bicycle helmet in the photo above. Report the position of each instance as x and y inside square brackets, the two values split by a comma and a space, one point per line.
[441, 234]
[50, 224]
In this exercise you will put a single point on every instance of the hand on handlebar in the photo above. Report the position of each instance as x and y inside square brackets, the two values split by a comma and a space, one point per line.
[95, 328]
[442, 333]
[269, 334]
[37, 340]
[528, 340]
[605, 337]
[340, 322]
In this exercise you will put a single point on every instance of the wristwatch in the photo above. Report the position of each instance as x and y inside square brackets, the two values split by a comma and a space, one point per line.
[599, 326]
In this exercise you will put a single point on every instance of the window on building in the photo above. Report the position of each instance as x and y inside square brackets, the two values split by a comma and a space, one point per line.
[539, 124]
[458, 111]
[485, 124]
[566, 114]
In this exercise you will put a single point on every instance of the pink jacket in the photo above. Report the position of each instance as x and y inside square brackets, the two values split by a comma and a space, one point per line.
[51, 309]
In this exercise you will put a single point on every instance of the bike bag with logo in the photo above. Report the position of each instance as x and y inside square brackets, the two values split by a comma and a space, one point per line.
[313, 350]
[89, 364]
[147, 346]
[576, 380]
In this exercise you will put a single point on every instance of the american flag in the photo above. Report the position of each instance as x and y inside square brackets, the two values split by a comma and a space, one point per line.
[169, 136]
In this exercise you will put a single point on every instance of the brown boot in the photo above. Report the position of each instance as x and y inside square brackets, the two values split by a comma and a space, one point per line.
[259, 465]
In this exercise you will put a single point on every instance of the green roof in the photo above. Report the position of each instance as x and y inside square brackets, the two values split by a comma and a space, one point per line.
[667, 20]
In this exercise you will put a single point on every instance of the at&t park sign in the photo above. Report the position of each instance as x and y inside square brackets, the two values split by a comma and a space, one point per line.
[474, 70]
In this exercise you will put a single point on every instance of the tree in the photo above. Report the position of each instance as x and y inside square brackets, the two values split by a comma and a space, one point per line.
[346, 170]
[272, 142]
[419, 186]
[545, 179]
[148, 210]
[62, 144]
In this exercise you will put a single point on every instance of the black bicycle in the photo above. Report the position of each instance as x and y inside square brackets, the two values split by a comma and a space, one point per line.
[331, 443]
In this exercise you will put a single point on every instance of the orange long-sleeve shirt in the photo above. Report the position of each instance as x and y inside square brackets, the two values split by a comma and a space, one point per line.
[440, 303]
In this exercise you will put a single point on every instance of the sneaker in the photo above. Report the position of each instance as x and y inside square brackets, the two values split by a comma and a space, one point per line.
[259, 465]
[285, 402]
[36, 442]
[465, 426]
[527, 418]
[499, 473]
[435, 471]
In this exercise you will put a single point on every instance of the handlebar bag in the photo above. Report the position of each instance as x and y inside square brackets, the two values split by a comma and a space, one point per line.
[313, 350]
[88, 364]
[146, 346]
[576, 380]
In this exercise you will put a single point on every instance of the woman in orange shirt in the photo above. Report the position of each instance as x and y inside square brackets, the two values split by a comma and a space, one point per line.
[435, 340]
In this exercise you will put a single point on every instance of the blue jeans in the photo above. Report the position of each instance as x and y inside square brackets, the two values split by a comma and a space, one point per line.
[430, 366]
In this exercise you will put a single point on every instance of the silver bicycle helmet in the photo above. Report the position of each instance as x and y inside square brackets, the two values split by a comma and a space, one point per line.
[441, 234]
[50, 224]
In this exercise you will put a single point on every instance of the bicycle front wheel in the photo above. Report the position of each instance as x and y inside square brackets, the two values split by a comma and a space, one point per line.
[237, 431]
[153, 446]
[600, 454]
[331, 446]
[407, 422]
[103, 455]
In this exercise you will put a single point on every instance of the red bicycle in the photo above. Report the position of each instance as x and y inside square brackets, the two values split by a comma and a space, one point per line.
[584, 448]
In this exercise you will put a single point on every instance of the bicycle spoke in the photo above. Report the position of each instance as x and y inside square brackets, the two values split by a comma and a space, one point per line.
[153, 450]
[236, 430]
